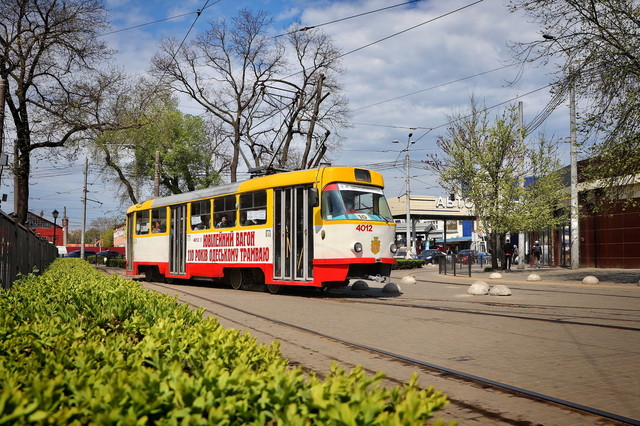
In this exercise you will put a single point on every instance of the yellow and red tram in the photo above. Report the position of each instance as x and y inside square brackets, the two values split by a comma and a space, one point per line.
[317, 227]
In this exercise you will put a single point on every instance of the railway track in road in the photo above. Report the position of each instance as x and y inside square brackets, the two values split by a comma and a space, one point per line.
[481, 414]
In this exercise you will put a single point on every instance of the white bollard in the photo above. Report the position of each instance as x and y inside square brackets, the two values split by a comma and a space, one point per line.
[590, 279]
[478, 288]
[391, 288]
[409, 280]
[500, 290]
[360, 285]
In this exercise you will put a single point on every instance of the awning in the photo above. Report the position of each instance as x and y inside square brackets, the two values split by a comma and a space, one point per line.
[454, 240]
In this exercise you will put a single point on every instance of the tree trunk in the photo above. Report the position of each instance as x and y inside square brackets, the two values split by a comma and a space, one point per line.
[21, 169]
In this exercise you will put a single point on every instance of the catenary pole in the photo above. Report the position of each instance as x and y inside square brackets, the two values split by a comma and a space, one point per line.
[521, 244]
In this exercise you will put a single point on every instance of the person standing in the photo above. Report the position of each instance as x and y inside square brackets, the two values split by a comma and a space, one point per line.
[508, 249]
[537, 252]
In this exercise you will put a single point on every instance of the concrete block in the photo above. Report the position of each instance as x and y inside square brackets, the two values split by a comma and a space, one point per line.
[360, 285]
[391, 288]
[478, 288]
[409, 279]
[590, 279]
[500, 290]
[534, 277]
[495, 276]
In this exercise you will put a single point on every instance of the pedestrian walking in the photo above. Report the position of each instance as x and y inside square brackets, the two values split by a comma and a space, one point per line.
[537, 252]
[508, 249]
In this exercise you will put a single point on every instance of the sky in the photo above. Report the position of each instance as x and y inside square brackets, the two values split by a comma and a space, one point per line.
[445, 52]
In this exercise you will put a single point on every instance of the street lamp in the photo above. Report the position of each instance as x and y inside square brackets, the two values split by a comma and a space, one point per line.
[575, 223]
[408, 194]
[55, 217]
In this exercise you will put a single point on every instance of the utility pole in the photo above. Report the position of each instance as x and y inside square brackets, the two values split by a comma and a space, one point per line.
[521, 249]
[156, 180]
[408, 195]
[575, 223]
[84, 208]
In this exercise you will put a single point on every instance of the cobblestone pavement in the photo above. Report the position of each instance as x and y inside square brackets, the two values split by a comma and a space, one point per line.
[559, 337]
[585, 349]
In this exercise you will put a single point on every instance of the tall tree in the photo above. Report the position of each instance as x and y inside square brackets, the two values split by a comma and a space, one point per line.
[599, 44]
[315, 99]
[240, 74]
[191, 155]
[488, 162]
[50, 53]
[225, 69]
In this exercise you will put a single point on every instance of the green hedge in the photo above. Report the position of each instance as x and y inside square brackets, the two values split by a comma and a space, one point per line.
[79, 347]
[116, 262]
[408, 263]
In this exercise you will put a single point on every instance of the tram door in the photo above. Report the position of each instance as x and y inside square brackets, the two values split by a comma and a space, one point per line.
[178, 240]
[293, 234]
[130, 243]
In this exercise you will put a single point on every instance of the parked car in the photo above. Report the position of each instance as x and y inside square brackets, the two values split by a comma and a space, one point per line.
[109, 254]
[467, 256]
[76, 253]
[431, 255]
[402, 254]
[484, 257]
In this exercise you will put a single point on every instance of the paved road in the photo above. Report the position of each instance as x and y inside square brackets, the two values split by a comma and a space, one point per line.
[557, 336]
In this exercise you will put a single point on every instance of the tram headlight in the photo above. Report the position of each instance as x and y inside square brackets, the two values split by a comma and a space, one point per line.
[393, 247]
[357, 247]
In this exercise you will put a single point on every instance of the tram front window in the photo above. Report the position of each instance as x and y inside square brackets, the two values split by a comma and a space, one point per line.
[342, 201]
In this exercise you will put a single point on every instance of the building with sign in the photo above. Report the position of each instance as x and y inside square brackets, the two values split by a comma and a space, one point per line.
[447, 222]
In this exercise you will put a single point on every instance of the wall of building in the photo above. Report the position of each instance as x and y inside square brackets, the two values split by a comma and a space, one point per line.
[611, 239]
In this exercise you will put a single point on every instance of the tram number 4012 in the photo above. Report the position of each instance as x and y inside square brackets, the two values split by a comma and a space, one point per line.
[364, 228]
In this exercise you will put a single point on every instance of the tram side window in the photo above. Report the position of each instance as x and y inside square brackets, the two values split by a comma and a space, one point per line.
[201, 215]
[253, 208]
[159, 220]
[142, 222]
[225, 211]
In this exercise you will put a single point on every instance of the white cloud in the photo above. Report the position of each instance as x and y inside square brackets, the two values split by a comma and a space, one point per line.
[462, 44]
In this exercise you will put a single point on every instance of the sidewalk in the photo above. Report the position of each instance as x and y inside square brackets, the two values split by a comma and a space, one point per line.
[547, 274]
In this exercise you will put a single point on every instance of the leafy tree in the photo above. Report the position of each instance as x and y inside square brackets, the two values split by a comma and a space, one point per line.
[488, 163]
[239, 73]
[102, 229]
[191, 155]
[50, 54]
[599, 43]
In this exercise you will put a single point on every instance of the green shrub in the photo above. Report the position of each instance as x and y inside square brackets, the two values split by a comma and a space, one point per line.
[116, 262]
[79, 347]
[408, 263]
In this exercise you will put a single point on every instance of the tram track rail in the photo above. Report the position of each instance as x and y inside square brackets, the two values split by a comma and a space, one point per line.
[504, 315]
[461, 376]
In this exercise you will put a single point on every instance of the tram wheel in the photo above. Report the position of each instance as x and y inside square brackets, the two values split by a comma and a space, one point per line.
[274, 288]
[236, 278]
[152, 274]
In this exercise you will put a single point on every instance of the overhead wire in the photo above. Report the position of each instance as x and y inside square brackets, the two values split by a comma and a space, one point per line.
[310, 27]
[410, 28]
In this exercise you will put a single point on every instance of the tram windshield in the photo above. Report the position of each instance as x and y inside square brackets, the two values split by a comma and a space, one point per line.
[343, 201]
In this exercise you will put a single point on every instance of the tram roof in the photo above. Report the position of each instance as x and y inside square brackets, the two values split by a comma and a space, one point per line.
[329, 174]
